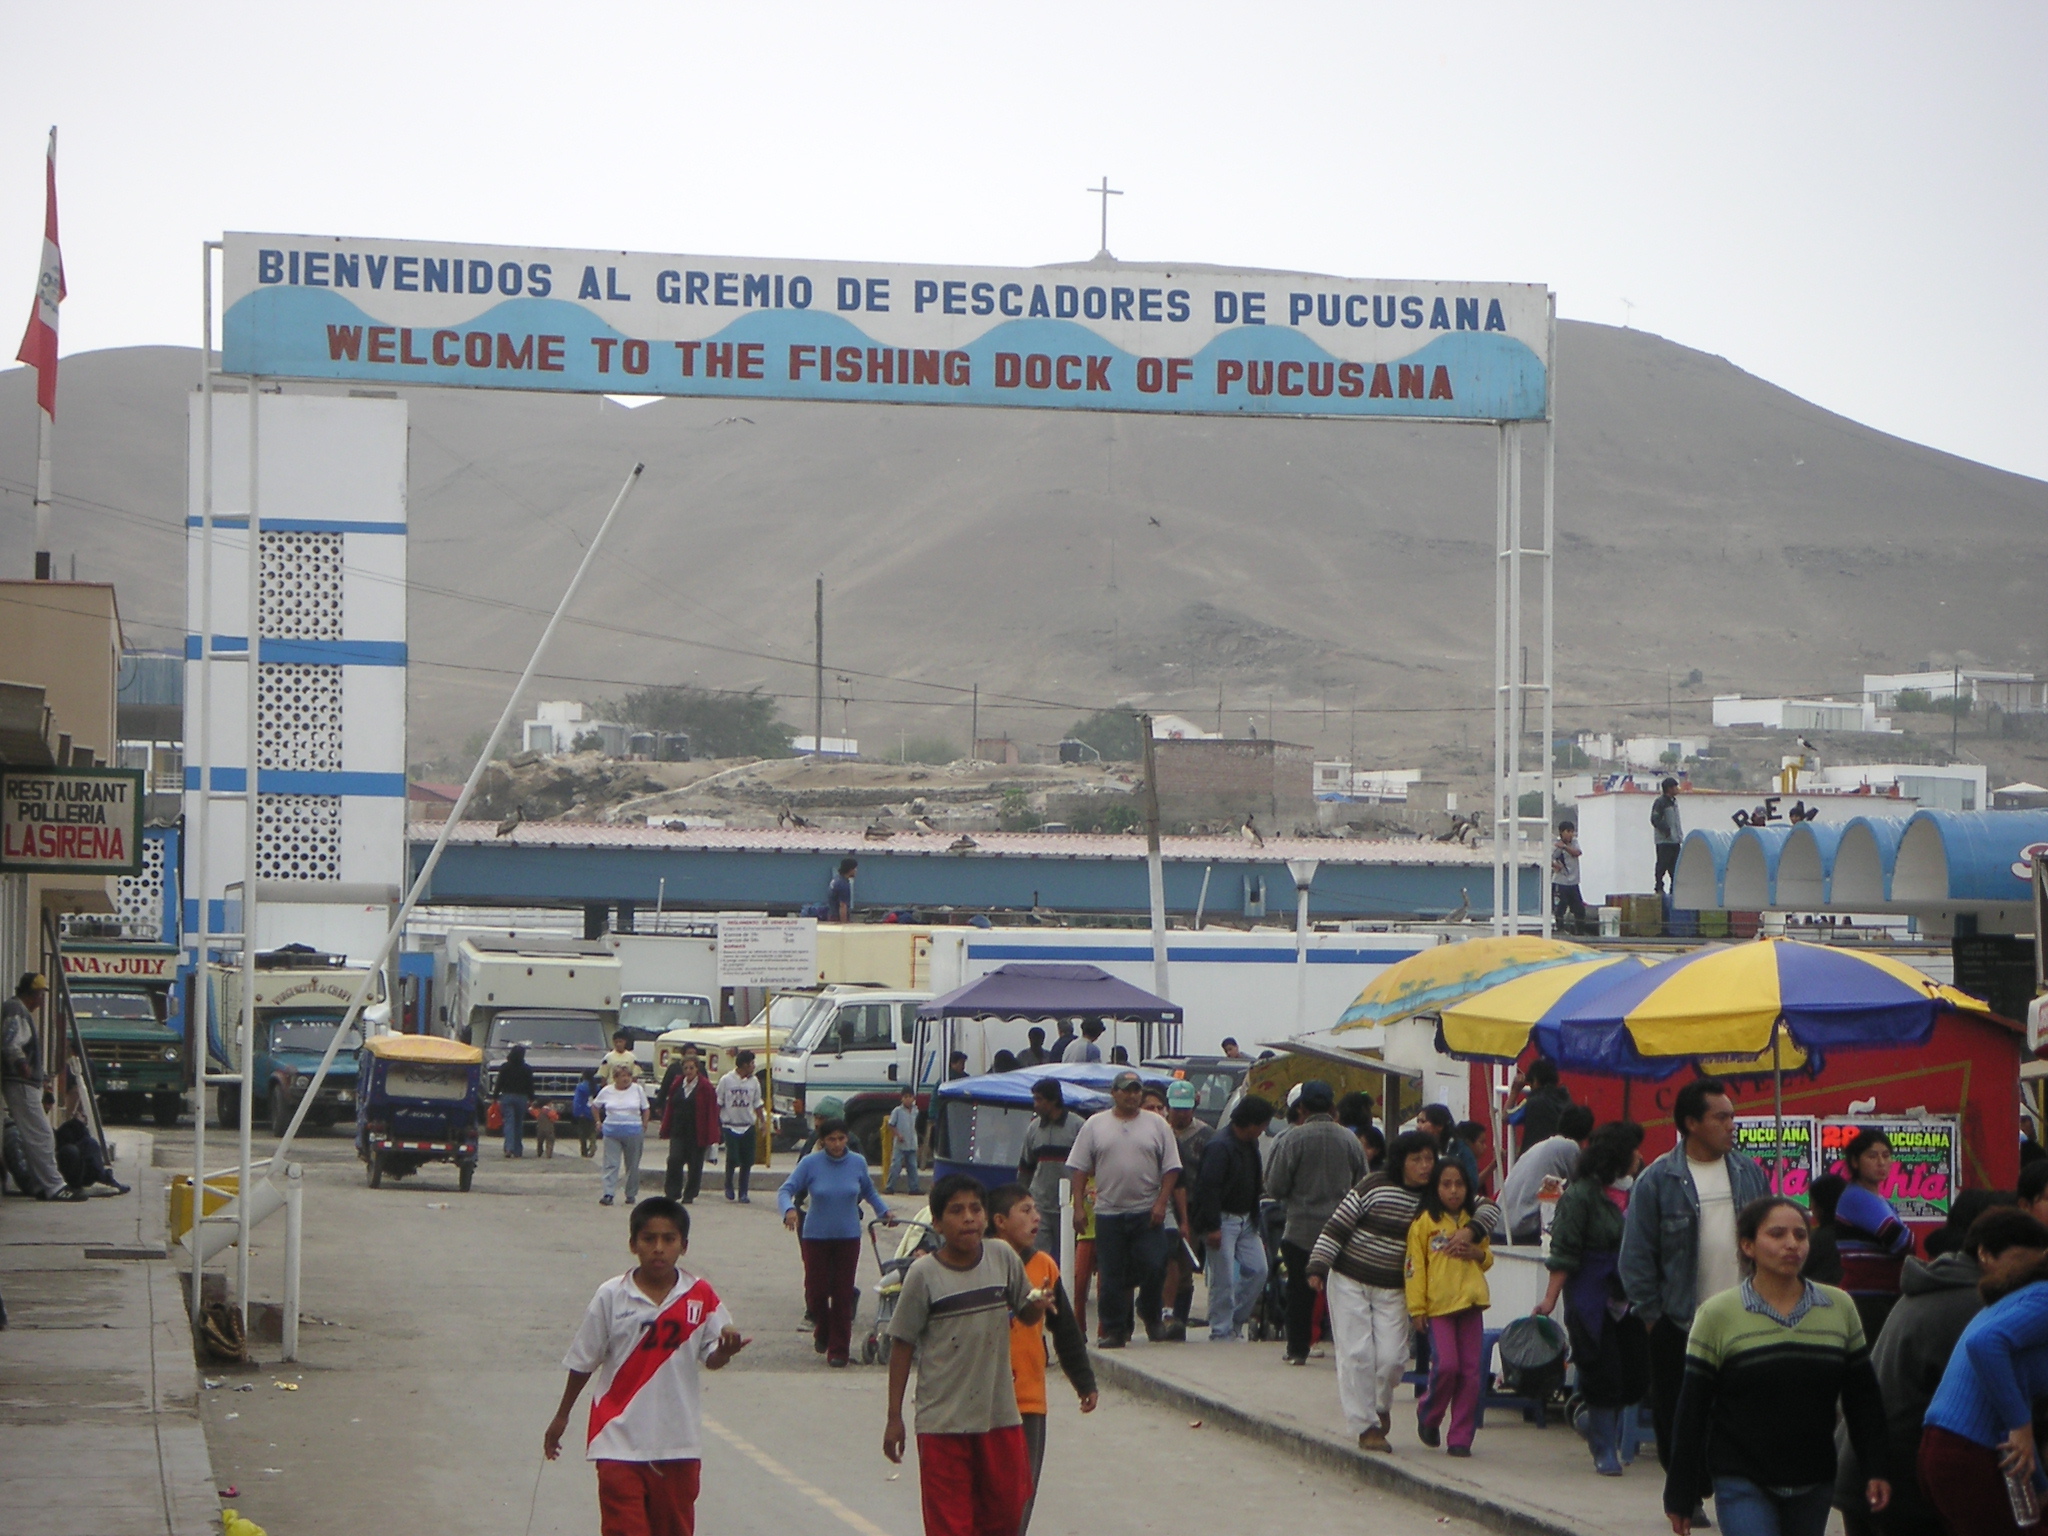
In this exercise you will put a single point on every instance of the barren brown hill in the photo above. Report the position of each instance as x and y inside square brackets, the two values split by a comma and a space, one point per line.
[1708, 520]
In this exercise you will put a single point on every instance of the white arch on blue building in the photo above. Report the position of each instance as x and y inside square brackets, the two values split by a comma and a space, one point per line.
[1930, 862]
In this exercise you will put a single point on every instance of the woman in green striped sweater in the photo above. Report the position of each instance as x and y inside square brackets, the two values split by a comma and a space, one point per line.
[1765, 1365]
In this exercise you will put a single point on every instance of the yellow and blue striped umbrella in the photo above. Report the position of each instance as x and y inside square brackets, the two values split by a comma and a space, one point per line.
[1498, 1024]
[1436, 978]
[1735, 1000]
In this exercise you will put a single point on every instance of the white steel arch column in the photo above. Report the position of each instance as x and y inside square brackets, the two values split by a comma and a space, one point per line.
[1522, 841]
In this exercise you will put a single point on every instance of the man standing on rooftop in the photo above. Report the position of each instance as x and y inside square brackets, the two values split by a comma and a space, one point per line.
[1669, 832]
[839, 895]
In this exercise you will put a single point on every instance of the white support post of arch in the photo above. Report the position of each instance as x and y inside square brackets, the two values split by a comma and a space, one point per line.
[1523, 673]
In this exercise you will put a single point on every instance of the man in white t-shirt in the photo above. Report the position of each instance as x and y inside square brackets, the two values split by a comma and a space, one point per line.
[1133, 1162]
[739, 1102]
[1678, 1247]
[645, 1336]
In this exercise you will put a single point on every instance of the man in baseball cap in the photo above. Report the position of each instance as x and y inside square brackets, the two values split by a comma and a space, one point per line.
[21, 1084]
[1192, 1136]
[1190, 1132]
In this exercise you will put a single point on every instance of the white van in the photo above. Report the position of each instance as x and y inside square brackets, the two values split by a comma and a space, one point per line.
[854, 1044]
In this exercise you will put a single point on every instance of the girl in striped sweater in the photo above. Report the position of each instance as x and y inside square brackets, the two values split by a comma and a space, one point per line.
[1360, 1262]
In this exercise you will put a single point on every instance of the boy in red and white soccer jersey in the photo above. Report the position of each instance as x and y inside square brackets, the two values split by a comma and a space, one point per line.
[644, 1336]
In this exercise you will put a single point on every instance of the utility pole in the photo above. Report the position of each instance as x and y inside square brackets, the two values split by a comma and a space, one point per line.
[1155, 874]
[818, 714]
[1955, 706]
[1219, 709]
[974, 727]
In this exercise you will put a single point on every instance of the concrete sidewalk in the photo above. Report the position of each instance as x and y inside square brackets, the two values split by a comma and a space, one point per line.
[99, 1391]
[1520, 1479]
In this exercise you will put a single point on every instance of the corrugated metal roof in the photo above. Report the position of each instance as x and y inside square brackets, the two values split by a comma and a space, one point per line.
[1005, 845]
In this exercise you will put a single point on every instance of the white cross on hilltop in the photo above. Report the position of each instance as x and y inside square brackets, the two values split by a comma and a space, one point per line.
[1105, 192]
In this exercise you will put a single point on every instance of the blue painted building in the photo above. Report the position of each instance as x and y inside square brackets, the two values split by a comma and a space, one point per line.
[1934, 865]
[592, 864]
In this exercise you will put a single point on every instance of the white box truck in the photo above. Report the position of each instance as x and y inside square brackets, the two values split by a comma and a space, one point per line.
[558, 997]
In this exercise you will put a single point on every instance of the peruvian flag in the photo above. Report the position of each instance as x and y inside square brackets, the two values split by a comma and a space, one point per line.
[39, 343]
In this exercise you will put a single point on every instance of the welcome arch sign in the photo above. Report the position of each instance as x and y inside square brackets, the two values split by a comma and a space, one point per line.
[1106, 336]
[1136, 338]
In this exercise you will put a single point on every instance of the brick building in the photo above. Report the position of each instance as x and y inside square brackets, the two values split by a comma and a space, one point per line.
[1223, 781]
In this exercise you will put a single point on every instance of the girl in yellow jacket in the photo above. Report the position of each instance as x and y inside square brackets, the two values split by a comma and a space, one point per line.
[1447, 1293]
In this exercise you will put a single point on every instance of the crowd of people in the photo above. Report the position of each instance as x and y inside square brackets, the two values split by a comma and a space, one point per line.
[1795, 1360]
[613, 1111]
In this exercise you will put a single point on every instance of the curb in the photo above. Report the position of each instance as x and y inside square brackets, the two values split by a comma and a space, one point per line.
[191, 1503]
[1384, 1472]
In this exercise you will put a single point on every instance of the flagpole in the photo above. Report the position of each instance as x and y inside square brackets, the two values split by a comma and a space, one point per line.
[46, 430]
[39, 351]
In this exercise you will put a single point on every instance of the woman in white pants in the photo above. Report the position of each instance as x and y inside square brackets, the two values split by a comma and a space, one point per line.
[1358, 1263]
[621, 1111]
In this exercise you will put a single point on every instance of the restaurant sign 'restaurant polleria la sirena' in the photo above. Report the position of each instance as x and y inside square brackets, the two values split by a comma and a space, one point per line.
[71, 821]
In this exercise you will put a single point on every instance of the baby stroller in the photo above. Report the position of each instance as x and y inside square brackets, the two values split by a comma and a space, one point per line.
[1269, 1316]
[915, 1237]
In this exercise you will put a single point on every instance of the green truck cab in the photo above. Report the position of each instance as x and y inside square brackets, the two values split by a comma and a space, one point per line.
[124, 997]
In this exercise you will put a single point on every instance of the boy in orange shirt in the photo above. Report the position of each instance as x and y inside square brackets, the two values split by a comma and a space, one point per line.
[1016, 1219]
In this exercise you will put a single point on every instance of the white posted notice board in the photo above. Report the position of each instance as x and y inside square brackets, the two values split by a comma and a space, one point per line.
[774, 952]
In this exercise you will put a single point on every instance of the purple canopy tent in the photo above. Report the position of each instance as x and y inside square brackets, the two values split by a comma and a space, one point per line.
[1029, 991]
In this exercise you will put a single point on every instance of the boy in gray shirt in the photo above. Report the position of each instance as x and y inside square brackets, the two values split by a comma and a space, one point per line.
[953, 1318]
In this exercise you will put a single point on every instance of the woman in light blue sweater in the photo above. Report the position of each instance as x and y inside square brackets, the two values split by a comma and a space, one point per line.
[835, 1184]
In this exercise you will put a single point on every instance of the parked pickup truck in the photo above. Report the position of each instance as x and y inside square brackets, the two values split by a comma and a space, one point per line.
[857, 1045]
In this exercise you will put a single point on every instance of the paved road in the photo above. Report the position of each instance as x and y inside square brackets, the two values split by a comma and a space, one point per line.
[435, 1364]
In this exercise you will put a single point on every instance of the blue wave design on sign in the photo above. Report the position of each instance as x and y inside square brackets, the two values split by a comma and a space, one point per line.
[288, 332]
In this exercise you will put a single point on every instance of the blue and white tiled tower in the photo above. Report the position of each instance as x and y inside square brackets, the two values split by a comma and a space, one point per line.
[330, 494]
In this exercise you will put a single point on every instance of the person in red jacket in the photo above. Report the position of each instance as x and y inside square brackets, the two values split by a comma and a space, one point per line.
[689, 1119]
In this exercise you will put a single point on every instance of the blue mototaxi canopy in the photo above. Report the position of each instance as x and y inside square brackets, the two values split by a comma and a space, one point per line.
[1083, 1085]
[1037, 991]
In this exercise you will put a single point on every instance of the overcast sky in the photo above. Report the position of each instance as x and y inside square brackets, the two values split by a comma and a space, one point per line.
[1844, 199]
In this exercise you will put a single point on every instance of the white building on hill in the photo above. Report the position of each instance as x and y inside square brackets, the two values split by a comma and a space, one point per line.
[1823, 714]
[2014, 692]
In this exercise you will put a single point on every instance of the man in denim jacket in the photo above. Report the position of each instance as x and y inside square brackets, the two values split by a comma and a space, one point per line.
[1678, 1247]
